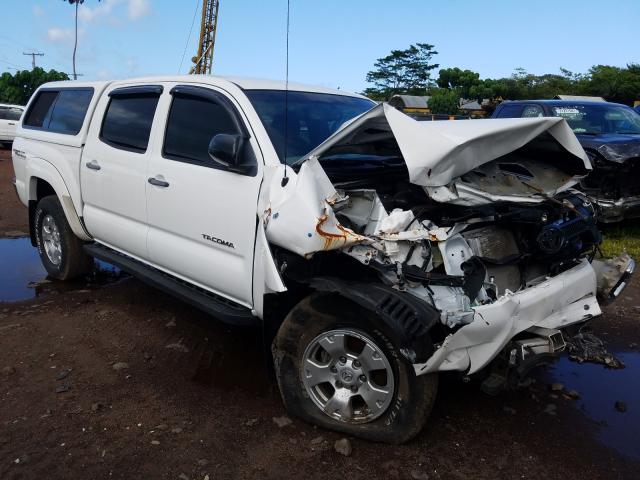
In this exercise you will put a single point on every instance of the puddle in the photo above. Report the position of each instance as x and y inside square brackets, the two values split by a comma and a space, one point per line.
[600, 389]
[23, 277]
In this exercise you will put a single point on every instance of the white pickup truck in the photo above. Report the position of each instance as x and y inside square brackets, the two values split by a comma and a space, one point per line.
[375, 250]
[9, 119]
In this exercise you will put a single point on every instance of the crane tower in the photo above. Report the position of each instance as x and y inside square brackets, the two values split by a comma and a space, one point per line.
[203, 61]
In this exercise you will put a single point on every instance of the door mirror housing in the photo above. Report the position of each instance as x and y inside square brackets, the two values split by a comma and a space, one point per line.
[226, 150]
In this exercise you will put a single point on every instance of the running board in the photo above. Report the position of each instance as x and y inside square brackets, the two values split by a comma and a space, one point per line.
[223, 309]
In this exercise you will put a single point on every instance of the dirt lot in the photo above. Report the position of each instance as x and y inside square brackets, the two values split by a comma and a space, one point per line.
[190, 398]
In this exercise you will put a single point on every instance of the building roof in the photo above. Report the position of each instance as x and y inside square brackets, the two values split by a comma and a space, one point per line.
[409, 101]
[579, 98]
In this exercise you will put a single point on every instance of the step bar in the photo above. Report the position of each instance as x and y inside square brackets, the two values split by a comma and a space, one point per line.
[223, 309]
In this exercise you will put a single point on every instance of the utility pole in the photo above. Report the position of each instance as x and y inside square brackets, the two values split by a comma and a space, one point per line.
[33, 58]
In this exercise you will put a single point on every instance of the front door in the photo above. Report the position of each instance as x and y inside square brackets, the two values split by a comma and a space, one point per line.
[202, 216]
[113, 168]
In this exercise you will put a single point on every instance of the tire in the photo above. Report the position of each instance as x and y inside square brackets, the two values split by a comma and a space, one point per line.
[409, 399]
[66, 260]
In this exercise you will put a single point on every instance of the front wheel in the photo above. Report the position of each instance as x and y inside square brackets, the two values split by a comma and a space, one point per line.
[60, 250]
[339, 367]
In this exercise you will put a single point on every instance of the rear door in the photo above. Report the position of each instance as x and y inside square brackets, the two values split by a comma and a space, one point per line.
[114, 166]
[202, 217]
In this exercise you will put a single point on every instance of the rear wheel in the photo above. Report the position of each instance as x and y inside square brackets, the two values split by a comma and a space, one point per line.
[60, 250]
[340, 368]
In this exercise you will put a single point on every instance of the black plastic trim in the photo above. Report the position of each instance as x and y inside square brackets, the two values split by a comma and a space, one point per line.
[223, 309]
[137, 90]
[408, 317]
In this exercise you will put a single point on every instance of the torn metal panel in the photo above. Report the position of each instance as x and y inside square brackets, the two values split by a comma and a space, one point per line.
[300, 217]
[436, 153]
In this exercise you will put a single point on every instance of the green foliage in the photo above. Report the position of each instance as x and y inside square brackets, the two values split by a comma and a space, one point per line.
[18, 88]
[409, 72]
[444, 101]
[402, 71]
[460, 80]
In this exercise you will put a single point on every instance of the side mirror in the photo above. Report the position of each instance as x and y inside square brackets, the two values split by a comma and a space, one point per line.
[225, 150]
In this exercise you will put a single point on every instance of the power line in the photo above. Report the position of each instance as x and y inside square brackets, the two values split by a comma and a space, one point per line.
[15, 65]
[33, 58]
[193, 21]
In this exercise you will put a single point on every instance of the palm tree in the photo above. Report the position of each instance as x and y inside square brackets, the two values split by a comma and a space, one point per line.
[75, 43]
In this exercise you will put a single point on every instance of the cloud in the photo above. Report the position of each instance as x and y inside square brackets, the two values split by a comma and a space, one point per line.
[38, 11]
[63, 35]
[101, 10]
[138, 9]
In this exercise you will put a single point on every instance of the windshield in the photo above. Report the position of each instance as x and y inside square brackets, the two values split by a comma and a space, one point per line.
[599, 119]
[312, 118]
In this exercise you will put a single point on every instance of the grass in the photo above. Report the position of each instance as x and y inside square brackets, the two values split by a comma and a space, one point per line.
[619, 237]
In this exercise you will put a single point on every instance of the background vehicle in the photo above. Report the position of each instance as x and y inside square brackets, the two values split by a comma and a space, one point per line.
[610, 134]
[369, 246]
[9, 118]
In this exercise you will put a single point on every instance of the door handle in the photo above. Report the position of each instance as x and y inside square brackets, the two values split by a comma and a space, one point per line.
[11, 123]
[93, 165]
[158, 182]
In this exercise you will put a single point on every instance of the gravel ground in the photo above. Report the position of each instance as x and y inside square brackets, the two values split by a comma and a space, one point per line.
[122, 381]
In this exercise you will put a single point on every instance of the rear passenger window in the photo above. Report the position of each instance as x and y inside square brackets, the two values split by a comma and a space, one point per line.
[38, 114]
[532, 111]
[69, 111]
[128, 120]
[59, 111]
[193, 122]
[10, 113]
[510, 111]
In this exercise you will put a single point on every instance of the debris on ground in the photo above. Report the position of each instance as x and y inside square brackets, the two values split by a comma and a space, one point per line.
[178, 347]
[557, 387]
[586, 347]
[251, 422]
[63, 388]
[8, 371]
[62, 374]
[551, 409]
[343, 447]
[572, 394]
[317, 441]
[282, 421]
[620, 406]
[120, 366]
[419, 475]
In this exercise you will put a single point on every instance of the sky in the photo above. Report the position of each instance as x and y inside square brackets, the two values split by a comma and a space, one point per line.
[332, 43]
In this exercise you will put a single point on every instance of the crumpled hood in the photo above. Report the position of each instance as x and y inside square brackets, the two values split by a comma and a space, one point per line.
[438, 152]
[613, 147]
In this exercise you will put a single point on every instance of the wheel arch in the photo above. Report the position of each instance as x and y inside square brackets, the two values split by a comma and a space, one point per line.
[45, 180]
[408, 318]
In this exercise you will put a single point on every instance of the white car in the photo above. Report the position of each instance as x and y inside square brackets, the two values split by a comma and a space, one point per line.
[374, 250]
[9, 119]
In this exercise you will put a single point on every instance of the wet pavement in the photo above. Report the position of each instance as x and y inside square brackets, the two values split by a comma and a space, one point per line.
[600, 388]
[22, 276]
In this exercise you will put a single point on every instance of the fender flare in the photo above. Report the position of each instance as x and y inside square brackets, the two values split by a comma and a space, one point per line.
[43, 170]
[408, 317]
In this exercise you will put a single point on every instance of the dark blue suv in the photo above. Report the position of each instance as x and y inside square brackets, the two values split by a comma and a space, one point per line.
[610, 134]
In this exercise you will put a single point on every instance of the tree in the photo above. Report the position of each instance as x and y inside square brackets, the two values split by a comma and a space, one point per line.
[456, 79]
[402, 71]
[18, 88]
[444, 101]
[614, 83]
[77, 3]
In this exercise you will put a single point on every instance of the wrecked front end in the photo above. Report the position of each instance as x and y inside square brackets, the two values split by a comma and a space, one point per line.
[469, 240]
[613, 184]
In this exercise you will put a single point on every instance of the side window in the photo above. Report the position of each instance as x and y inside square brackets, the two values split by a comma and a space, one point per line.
[129, 117]
[59, 111]
[14, 114]
[193, 121]
[69, 111]
[510, 111]
[39, 112]
[4, 112]
[532, 111]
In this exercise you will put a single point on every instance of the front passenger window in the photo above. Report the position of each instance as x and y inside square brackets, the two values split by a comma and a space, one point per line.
[193, 121]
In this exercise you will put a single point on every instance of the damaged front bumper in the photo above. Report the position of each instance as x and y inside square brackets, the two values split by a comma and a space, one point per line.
[610, 211]
[566, 299]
